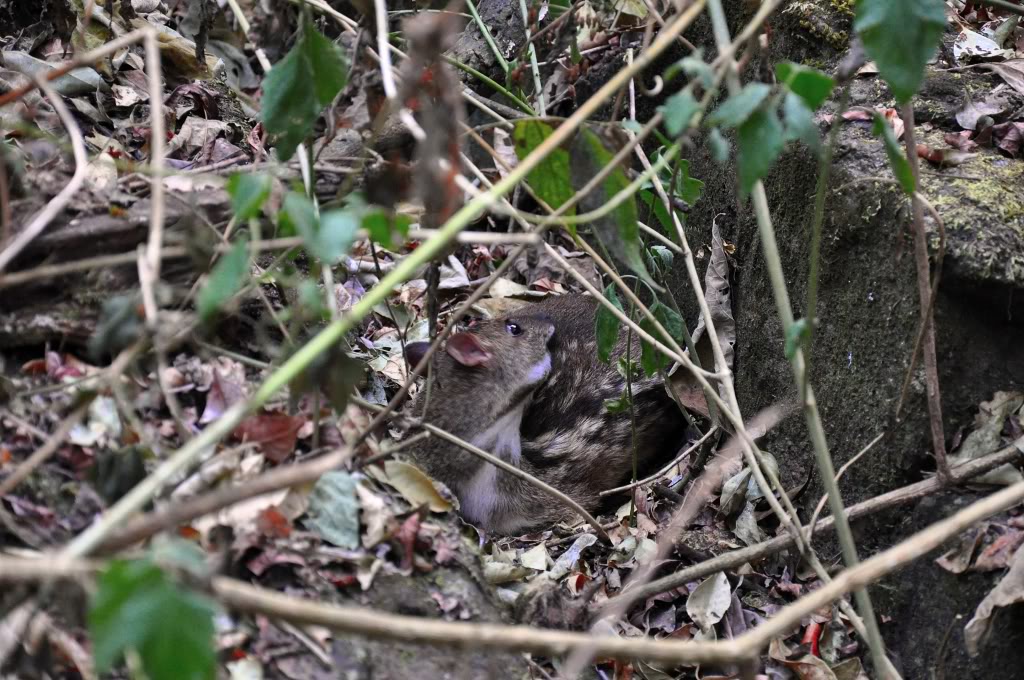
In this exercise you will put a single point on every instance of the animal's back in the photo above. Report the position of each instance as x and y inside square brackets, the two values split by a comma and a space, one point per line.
[569, 437]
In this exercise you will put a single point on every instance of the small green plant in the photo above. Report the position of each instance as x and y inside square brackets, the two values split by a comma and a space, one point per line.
[299, 87]
[137, 606]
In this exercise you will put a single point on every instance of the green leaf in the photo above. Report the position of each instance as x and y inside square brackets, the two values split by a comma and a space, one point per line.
[628, 369]
[679, 110]
[897, 159]
[719, 145]
[333, 371]
[248, 192]
[900, 37]
[299, 87]
[811, 85]
[760, 143]
[334, 509]
[383, 226]
[607, 325]
[137, 607]
[574, 51]
[693, 66]
[120, 325]
[738, 108]
[225, 280]
[652, 360]
[338, 230]
[550, 179]
[618, 231]
[688, 188]
[655, 205]
[795, 336]
[800, 123]
[327, 238]
[661, 258]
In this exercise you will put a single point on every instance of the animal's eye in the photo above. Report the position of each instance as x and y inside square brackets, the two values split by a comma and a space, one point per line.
[513, 328]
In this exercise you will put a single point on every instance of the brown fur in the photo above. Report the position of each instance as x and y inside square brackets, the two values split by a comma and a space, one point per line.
[569, 439]
[483, 404]
[566, 437]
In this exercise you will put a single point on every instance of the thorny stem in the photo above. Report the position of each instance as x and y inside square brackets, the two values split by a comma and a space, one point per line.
[814, 424]
[931, 370]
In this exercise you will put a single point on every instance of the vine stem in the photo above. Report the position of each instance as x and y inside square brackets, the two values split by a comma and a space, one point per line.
[135, 499]
[815, 427]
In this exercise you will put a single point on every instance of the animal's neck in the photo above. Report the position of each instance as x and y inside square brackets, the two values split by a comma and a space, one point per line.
[502, 437]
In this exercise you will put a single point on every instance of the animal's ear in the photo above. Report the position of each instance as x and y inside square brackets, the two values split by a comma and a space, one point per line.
[467, 349]
[415, 351]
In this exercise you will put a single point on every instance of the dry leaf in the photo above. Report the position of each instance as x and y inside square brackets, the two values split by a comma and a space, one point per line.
[708, 603]
[1010, 590]
[414, 485]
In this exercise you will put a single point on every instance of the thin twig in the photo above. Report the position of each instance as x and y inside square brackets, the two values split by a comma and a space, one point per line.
[157, 142]
[814, 262]
[83, 59]
[931, 370]
[43, 453]
[811, 413]
[488, 38]
[531, 51]
[58, 202]
[1004, 5]
[379, 625]
[387, 75]
[846, 466]
[752, 554]
[657, 475]
[179, 513]
[178, 252]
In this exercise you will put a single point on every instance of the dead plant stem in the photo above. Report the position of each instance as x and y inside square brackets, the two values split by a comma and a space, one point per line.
[814, 424]
[925, 293]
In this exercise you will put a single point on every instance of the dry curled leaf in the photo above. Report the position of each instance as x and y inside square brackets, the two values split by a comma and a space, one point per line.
[1010, 590]
[414, 485]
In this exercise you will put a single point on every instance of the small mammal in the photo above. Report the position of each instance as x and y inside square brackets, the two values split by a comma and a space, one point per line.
[570, 439]
[530, 389]
[480, 386]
